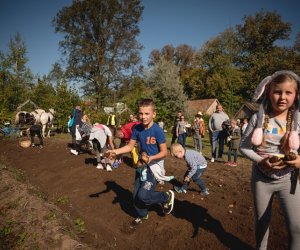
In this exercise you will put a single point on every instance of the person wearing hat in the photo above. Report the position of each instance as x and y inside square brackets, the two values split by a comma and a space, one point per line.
[199, 132]
[271, 141]
[174, 128]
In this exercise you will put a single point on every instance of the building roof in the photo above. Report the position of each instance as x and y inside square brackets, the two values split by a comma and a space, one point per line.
[25, 103]
[206, 106]
[247, 110]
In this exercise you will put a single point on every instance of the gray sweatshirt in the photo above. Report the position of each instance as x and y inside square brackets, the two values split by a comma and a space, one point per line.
[215, 121]
[195, 161]
[273, 134]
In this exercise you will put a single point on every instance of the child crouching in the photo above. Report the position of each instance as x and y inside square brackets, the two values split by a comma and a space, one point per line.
[196, 164]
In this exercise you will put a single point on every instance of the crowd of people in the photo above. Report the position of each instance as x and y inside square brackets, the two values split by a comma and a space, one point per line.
[270, 138]
[221, 129]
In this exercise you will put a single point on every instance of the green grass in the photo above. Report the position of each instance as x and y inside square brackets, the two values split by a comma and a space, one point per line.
[80, 225]
[62, 200]
[189, 143]
[206, 151]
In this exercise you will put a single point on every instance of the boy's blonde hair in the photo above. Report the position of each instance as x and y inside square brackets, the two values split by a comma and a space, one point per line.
[146, 103]
[176, 148]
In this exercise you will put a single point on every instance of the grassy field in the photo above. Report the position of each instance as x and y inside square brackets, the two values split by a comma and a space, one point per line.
[189, 143]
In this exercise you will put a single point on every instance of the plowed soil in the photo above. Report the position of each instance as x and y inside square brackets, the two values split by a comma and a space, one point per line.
[100, 203]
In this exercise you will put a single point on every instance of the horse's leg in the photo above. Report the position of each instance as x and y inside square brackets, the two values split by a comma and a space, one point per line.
[43, 130]
[49, 129]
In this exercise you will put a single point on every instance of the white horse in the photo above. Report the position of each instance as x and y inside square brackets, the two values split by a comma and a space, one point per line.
[23, 118]
[37, 115]
[46, 120]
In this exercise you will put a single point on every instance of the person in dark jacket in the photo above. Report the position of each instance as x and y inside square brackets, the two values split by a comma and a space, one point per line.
[233, 143]
[77, 114]
[36, 130]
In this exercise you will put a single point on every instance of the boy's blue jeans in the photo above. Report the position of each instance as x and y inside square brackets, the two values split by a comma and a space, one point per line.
[196, 179]
[144, 193]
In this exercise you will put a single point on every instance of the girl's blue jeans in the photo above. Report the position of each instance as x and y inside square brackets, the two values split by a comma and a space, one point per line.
[234, 154]
[182, 139]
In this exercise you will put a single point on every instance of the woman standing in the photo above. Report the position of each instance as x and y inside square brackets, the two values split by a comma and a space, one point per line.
[199, 132]
[181, 130]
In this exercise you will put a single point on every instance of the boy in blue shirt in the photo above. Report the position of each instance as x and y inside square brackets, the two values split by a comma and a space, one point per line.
[153, 147]
[196, 164]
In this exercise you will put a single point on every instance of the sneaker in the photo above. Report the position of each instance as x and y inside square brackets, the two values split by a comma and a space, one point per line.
[32, 145]
[168, 206]
[74, 152]
[233, 164]
[138, 221]
[205, 192]
[41, 146]
[212, 160]
[100, 166]
[116, 164]
[228, 163]
[179, 190]
[108, 168]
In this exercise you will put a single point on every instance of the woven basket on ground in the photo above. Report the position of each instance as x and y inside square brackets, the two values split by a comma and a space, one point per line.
[25, 143]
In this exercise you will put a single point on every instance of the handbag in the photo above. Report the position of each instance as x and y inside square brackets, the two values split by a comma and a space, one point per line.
[78, 135]
[71, 121]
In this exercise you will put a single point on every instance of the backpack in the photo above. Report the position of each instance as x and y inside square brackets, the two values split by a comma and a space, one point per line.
[71, 121]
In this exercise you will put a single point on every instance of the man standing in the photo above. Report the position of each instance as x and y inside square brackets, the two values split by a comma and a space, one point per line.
[216, 132]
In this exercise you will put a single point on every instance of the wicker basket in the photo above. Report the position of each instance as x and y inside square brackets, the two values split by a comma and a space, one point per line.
[25, 143]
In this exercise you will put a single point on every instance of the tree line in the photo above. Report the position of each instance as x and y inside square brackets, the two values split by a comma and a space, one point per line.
[101, 61]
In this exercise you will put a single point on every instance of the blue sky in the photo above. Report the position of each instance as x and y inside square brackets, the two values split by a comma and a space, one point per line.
[175, 22]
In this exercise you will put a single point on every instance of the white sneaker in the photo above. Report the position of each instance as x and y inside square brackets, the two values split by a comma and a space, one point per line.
[74, 152]
[100, 166]
[212, 160]
[108, 168]
[168, 206]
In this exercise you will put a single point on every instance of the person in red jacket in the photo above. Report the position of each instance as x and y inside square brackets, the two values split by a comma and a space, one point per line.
[124, 134]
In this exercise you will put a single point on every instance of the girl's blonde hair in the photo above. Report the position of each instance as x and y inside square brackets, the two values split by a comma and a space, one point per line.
[86, 118]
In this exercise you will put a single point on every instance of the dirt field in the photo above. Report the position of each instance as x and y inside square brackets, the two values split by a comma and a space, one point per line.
[52, 199]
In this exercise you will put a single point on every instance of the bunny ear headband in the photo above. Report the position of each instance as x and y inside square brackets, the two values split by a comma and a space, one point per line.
[259, 91]
[259, 94]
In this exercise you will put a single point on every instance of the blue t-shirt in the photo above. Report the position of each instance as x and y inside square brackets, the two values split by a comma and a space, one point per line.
[148, 139]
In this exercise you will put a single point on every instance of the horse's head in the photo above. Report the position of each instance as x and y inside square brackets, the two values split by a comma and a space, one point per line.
[31, 119]
[52, 111]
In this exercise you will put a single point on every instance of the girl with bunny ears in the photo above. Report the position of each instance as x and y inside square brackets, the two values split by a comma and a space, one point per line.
[271, 141]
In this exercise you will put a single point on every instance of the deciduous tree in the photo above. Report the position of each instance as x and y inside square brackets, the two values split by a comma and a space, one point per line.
[16, 77]
[100, 43]
[164, 82]
[260, 55]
